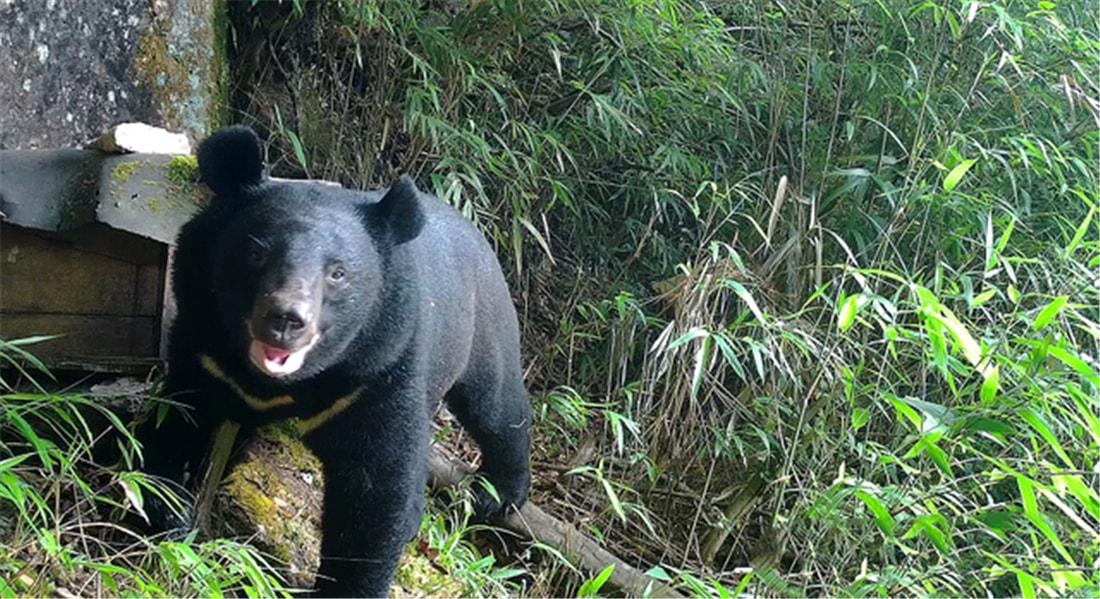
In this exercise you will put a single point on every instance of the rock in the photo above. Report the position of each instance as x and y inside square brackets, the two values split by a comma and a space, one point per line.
[69, 69]
[142, 138]
[125, 394]
[151, 195]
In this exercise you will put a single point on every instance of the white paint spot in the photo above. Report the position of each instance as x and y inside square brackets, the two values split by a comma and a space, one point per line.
[111, 97]
[124, 94]
[43, 52]
[69, 117]
[50, 4]
[26, 85]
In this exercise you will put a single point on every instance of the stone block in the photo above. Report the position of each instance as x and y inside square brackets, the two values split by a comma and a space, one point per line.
[71, 69]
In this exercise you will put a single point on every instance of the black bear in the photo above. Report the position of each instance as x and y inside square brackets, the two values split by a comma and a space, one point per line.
[354, 312]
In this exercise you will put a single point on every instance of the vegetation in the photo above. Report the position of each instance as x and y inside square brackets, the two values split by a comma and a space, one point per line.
[808, 290]
[60, 510]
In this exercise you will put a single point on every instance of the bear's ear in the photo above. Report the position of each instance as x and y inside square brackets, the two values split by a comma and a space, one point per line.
[230, 160]
[398, 214]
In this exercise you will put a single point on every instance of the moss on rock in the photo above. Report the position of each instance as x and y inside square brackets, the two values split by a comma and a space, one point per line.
[183, 170]
[217, 108]
[182, 60]
[163, 75]
[122, 173]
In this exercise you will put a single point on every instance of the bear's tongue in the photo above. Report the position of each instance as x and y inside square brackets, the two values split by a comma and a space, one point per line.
[275, 361]
[274, 354]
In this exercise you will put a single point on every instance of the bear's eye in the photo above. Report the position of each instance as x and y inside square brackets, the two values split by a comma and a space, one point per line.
[256, 254]
[337, 273]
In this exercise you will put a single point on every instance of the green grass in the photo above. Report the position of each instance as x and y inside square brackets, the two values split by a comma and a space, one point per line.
[63, 512]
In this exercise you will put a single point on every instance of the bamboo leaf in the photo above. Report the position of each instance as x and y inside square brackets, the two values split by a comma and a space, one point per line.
[1079, 234]
[952, 179]
[882, 515]
[989, 386]
[1049, 313]
[746, 297]
[1036, 517]
[846, 316]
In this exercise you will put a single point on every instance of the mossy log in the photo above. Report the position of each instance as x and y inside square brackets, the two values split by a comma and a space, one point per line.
[272, 495]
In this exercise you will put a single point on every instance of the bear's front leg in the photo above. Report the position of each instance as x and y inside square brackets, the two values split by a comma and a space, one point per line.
[375, 467]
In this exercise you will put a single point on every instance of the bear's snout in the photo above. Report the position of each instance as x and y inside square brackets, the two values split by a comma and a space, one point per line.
[285, 320]
[283, 327]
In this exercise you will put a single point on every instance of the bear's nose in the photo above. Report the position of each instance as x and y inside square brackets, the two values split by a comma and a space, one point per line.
[287, 322]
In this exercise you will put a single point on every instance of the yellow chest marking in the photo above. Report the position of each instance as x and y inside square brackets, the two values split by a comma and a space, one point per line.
[260, 405]
[309, 424]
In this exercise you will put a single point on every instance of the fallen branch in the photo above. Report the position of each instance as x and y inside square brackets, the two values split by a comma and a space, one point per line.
[532, 523]
[216, 460]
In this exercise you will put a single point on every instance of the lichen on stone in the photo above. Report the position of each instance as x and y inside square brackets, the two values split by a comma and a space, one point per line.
[163, 75]
[183, 170]
[182, 60]
[122, 173]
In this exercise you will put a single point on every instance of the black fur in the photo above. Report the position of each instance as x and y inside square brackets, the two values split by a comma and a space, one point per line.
[421, 312]
[230, 159]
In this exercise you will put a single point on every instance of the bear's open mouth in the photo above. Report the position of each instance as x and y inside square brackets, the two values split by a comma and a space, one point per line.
[277, 361]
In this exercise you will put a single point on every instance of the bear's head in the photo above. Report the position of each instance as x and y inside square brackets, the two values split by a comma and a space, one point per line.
[298, 269]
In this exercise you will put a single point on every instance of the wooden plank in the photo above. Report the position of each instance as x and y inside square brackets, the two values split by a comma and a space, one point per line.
[101, 239]
[85, 336]
[96, 238]
[149, 289]
[40, 274]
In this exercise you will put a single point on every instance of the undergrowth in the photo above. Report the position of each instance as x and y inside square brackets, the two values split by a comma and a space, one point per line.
[63, 508]
[808, 290]
[71, 512]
